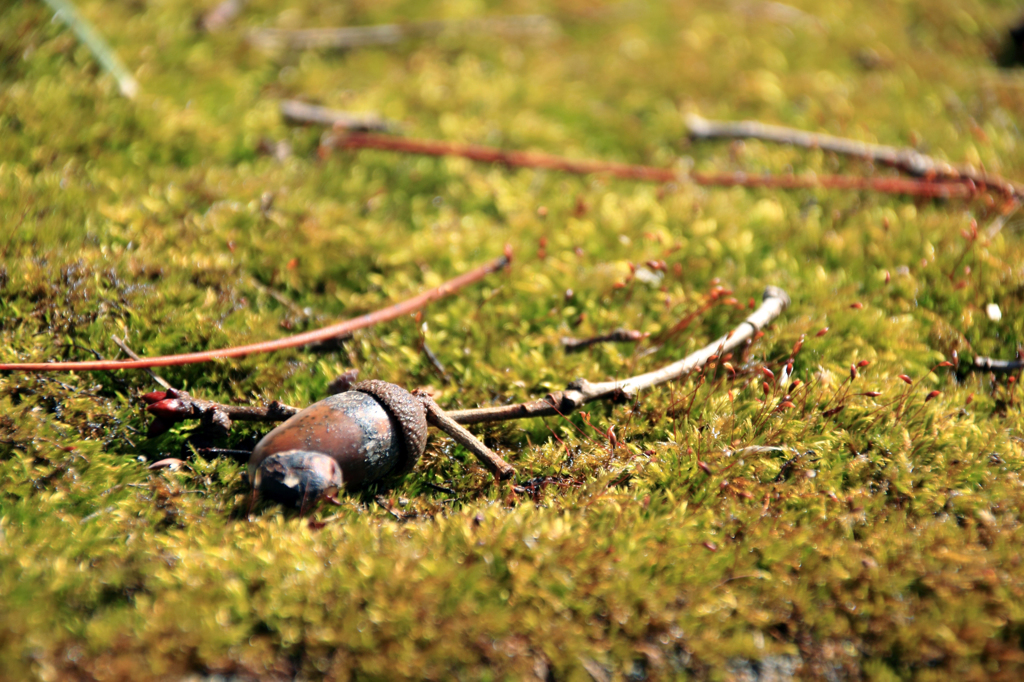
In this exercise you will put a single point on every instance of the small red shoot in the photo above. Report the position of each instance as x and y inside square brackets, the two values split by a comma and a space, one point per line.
[169, 409]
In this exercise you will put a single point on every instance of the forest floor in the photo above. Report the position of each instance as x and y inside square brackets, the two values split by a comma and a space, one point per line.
[845, 508]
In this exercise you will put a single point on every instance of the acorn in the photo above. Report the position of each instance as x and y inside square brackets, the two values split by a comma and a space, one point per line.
[372, 432]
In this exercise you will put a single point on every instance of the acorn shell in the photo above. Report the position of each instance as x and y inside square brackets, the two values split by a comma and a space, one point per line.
[373, 431]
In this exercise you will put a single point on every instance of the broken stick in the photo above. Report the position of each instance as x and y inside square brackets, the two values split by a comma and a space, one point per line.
[294, 111]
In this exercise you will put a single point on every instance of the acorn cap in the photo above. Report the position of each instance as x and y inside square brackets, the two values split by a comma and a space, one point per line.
[408, 411]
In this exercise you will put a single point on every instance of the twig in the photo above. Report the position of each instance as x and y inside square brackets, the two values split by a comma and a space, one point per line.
[106, 56]
[716, 295]
[435, 362]
[352, 37]
[130, 353]
[441, 488]
[581, 391]
[573, 345]
[294, 111]
[439, 418]
[984, 364]
[908, 186]
[509, 158]
[390, 313]
[173, 406]
[240, 455]
[905, 159]
[379, 499]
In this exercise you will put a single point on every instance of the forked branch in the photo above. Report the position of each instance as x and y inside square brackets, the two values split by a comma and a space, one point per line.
[581, 391]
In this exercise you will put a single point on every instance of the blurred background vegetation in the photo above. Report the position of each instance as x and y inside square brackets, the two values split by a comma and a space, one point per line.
[880, 541]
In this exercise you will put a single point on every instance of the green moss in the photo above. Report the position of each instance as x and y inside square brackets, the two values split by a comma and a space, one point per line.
[880, 539]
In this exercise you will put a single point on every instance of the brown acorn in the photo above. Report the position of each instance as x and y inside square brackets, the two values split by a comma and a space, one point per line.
[351, 439]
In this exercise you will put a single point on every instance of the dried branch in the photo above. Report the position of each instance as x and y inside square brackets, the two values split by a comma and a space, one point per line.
[390, 313]
[984, 364]
[435, 362]
[91, 38]
[189, 407]
[439, 418]
[173, 406]
[294, 111]
[912, 187]
[581, 391]
[353, 37]
[905, 159]
[573, 345]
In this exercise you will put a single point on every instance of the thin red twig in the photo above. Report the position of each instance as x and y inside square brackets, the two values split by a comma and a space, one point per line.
[940, 189]
[346, 327]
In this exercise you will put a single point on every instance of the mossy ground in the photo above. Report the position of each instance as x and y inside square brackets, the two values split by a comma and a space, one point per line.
[891, 549]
